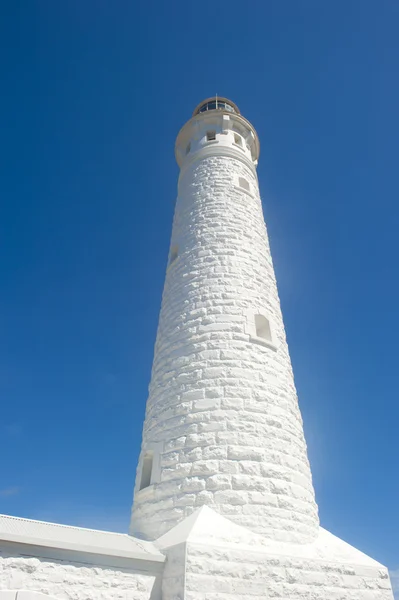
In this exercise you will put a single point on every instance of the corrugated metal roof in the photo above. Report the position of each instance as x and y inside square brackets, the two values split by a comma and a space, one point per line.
[66, 537]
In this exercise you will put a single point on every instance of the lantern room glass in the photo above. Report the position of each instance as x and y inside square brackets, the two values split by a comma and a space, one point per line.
[216, 105]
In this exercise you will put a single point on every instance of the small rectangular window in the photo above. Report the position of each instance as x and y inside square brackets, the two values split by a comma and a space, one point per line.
[237, 139]
[146, 470]
[188, 148]
[210, 136]
[243, 183]
[174, 253]
[262, 326]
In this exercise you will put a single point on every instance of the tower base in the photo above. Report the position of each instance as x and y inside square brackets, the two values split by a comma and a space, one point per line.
[211, 558]
[205, 557]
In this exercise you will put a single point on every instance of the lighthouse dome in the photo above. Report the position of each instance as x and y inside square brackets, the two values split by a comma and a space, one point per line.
[216, 103]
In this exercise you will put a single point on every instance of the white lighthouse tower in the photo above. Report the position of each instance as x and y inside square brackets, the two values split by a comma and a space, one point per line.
[223, 483]
[222, 426]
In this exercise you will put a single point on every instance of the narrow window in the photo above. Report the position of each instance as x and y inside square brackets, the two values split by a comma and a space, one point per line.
[188, 148]
[262, 326]
[174, 252]
[146, 470]
[237, 139]
[243, 183]
[210, 135]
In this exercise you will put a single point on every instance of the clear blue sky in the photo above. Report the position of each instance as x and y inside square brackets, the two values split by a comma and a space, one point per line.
[93, 95]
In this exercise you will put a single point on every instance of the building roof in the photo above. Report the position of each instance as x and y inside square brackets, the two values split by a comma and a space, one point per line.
[17, 530]
[206, 527]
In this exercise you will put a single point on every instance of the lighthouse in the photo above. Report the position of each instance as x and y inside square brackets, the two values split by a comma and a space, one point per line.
[222, 425]
[223, 483]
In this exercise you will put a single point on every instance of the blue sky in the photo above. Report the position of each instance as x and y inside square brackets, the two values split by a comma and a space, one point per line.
[93, 96]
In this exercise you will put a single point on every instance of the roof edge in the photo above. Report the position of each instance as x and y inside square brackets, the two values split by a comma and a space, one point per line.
[114, 546]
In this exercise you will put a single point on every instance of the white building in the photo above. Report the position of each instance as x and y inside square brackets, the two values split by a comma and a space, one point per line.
[223, 495]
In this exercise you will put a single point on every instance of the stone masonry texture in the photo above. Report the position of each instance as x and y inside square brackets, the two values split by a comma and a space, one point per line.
[73, 581]
[213, 573]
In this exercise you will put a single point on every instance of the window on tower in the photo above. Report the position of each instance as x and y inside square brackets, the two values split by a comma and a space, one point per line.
[262, 326]
[210, 136]
[238, 139]
[188, 148]
[174, 253]
[243, 183]
[146, 470]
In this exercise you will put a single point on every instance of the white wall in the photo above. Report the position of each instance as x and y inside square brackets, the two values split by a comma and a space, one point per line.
[242, 574]
[76, 581]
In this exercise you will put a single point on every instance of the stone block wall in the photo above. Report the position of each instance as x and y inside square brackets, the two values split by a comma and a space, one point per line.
[70, 580]
[174, 576]
[216, 572]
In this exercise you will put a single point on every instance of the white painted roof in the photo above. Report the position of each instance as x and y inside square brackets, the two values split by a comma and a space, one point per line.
[207, 527]
[66, 537]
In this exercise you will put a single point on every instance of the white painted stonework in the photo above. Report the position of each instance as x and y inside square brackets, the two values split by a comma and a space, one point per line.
[223, 492]
[210, 558]
[222, 405]
[75, 563]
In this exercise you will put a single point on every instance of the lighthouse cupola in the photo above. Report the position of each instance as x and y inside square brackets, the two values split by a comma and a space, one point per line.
[217, 122]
